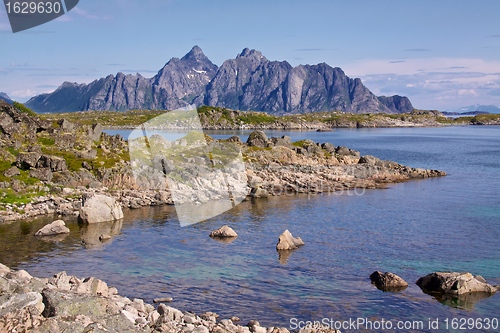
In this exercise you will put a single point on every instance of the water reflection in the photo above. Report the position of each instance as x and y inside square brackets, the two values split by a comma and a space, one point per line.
[95, 234]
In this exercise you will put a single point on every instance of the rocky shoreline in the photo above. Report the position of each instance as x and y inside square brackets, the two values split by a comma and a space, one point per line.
[65, 303]
[50, 166]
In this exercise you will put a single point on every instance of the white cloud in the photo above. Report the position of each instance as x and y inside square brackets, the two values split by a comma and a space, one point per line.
[432, 83]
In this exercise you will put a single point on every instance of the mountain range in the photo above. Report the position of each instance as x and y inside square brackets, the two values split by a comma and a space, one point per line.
[248, 82]
[478, 108]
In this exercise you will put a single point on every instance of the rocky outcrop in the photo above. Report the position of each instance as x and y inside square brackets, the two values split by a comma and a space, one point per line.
[69, 304]
[454, 284]
[286, 242]
[248, 82]
[223, 232]
[388, 281]
[54, 228]
[99, 208]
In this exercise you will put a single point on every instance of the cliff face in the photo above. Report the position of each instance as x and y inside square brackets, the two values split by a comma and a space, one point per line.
[248, 82]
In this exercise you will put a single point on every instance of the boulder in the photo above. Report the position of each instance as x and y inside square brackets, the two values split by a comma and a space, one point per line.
[258, 139]
[54, 228]
[288, 242]
[235, 139]
[66, 125]
[368, 159]
[99, 208]
[13, 171]
[258, 192]
[284, 141]
[328, 147]
[223, 232]
[55, 163]
[95, 132]
[388, 281]
[454, 283]
[25, 161]
[44, 174]
[11, 303]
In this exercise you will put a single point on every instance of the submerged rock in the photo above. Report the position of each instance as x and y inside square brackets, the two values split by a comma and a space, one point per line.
[100, 208]
[286, 241]
[54, 228]
[388, 281]
[454, 284]
[223, 232]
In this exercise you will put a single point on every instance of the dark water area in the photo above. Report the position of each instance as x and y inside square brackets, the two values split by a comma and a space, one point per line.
[411, 229]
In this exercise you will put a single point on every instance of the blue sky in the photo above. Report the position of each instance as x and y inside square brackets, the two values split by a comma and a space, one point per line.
[441, 54]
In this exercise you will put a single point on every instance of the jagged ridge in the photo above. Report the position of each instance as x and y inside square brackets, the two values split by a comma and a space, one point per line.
[248, 82]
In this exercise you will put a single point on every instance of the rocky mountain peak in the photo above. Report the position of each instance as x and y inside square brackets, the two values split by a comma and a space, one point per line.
[247, 53]
[196, 53]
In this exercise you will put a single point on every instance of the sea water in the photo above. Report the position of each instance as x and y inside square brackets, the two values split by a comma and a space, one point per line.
[411, 229]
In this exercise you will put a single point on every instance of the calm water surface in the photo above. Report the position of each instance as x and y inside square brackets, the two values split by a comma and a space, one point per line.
[411, 229]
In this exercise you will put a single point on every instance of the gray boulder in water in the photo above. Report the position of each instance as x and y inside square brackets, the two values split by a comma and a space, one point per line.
[388, 281]
[454, 284]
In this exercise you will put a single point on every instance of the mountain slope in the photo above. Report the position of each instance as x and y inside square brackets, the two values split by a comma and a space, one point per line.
[5, 97]
[248, 82]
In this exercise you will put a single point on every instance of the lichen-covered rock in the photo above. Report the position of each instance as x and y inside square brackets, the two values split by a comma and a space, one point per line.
[287, 242]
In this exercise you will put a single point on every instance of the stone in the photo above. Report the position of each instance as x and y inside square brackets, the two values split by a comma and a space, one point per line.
[95, 286]
[388, 281]
[224, 231]
[68, 303]
[235, 139]
[66, 125]
[54, 228]
[286, 241]
[11, 303]
[453, 283]
[368, 159]
[4, 269]
[258, 192]
[99, 208]
[27, 160]
[258, 139]
[170, 313]
[54, 163]
[95, 132]
[12, 171]
[328, 147]
[200, 329]
[284, 141]
[163, 300]
[44, 174]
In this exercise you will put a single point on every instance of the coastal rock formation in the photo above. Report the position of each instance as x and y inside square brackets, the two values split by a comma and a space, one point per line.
[388, 281]
[287, 242]
[69, 304]
[100, 208]
[223, 232]
[54, 228]
[248, 82]
[454, 284]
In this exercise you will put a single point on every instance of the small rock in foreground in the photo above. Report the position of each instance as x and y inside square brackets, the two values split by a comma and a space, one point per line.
[54, 228]
[388, 281]
[223, 232]
[288, 242]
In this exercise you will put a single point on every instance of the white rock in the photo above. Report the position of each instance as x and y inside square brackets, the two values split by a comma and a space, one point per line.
[224, 231]
[54, 228]
[288, 242]
[100, 208]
